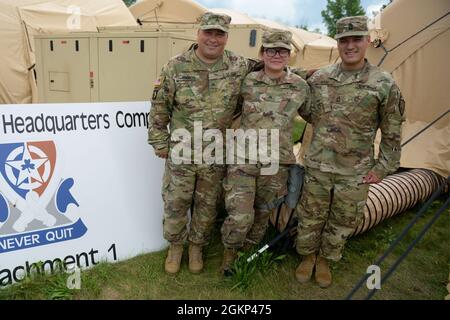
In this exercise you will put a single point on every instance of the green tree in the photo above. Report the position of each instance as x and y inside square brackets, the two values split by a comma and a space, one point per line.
[317, 30]
[129, 2]
[337, 9]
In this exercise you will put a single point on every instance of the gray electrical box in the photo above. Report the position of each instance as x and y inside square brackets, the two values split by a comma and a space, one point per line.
[103, 66]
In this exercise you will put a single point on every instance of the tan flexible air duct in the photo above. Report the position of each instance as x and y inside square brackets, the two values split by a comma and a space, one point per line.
[394, 195]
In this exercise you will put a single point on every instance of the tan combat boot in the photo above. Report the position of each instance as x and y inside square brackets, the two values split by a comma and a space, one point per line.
[173, 259]
[195, 258]
[323, 273]
[305, 269]
[229, 255]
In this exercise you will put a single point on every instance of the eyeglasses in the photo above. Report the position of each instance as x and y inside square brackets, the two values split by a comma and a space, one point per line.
[272, 52]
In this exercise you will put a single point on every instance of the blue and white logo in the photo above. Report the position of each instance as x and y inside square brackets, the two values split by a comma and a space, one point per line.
[36, 203]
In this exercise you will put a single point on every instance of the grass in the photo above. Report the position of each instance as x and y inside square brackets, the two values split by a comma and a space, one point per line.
[298, 127]
[422, 275]
[243, 273]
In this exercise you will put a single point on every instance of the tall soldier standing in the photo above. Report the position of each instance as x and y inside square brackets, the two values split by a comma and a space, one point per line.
[351, 100]
[202, 86]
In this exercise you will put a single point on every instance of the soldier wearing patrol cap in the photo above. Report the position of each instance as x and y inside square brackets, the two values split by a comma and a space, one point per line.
[272, 98]
[351, 26]
[351, 101]
[200, 85]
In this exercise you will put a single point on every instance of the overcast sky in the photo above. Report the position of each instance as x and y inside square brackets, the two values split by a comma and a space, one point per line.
[290, 12]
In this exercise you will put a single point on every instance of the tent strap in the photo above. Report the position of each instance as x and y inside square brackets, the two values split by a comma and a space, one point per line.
[386, 52]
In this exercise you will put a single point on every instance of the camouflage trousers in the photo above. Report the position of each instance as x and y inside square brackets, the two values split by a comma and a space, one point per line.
[195, 187]
[247, 193]
[330, 208]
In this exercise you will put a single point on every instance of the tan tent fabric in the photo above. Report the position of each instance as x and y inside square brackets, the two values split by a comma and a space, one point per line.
[164, 11]
[271, 24]
[317, 51]
[236, 17]
[15, 79]
[312, 50]
[21, 19]
[421, 69]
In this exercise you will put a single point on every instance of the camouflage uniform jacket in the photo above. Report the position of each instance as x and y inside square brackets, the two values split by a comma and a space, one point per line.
[189, 91]
[273, 104]
[346, 114]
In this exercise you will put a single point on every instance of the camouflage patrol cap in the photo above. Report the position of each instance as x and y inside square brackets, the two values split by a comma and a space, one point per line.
[211, 20]
[351, 26]
[277, 38]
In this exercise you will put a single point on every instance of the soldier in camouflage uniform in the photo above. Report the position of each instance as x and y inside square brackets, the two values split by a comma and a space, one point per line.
[272, 98]
[351, 100]
[201, 85]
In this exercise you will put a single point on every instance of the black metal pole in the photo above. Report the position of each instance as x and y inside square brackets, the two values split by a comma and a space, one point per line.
[399, 238]
[418, 238]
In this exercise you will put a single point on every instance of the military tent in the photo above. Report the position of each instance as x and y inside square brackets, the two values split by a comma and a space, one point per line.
[20, 20]
[163, 11]
[412, 41]
[312, 50]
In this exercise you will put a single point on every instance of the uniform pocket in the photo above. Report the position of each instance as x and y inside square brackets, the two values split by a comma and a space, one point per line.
[283, 104]
[228, 193]
[184, 85]
[355, 115]
[165, 184]
[322, 100]
[359, 212]
[183, 94]
[326, 107]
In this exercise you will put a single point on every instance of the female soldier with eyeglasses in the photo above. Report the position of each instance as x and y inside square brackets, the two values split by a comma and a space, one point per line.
[273, 97]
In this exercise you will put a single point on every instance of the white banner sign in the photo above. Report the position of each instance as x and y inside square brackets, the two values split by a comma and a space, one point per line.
[78, 185]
